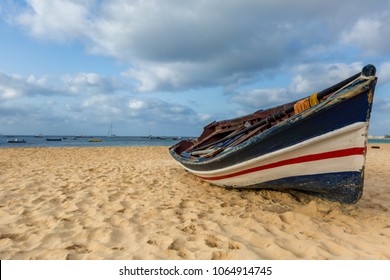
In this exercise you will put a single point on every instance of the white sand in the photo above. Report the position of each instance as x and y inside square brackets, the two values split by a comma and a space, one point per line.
[138, 203]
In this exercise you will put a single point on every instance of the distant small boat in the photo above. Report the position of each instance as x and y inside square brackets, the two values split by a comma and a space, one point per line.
[157, 137]
[53, 139]
[16, 141]
[95, 140]
[316, 144]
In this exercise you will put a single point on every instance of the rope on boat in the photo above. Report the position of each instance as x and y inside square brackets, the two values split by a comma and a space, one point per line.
[313, 99]
[306, 103]
[301, 105]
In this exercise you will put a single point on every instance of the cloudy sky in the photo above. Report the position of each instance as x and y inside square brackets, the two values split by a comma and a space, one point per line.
[170, 67]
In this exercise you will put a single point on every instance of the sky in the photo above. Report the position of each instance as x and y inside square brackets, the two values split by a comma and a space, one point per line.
[168, 68]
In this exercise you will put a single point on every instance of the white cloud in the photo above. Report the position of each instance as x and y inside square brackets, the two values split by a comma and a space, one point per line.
[306, 79]
[383, 73]
[174, 45]
[151, 76]
[31, 98]
[370, 34]
[136, 104]
[16, 86]
[56, 19]
[261, 98]
[9, 93]
[314, 77]
[92, 83]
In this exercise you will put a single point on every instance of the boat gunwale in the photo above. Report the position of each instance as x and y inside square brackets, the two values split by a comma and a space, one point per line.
[356, 87]
[300, 145]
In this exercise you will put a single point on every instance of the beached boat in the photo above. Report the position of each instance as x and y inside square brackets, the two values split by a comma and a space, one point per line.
[316, 144]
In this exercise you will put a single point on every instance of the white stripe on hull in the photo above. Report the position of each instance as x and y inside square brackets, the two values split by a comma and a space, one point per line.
[300, 169]
[352, 136]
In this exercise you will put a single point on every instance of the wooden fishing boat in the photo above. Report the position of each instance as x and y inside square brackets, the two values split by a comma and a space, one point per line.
[316, 144]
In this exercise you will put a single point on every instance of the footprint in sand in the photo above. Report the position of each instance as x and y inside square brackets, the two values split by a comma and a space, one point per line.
[77, 253]
[213, 241]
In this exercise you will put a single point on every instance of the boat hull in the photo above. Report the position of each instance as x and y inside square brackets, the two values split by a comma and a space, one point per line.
[321, 150]
[331, 165]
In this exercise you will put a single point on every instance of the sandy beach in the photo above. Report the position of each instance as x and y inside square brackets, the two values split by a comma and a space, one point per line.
[138, 203]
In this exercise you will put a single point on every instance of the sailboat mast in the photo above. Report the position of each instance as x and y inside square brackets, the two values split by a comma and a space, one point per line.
[110, 134]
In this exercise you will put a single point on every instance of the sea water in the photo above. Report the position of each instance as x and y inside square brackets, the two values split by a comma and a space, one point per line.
[96, 141]
[379, 141]
[72, 141]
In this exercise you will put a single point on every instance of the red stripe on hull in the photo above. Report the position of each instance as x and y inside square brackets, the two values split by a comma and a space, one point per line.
[302, 159]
